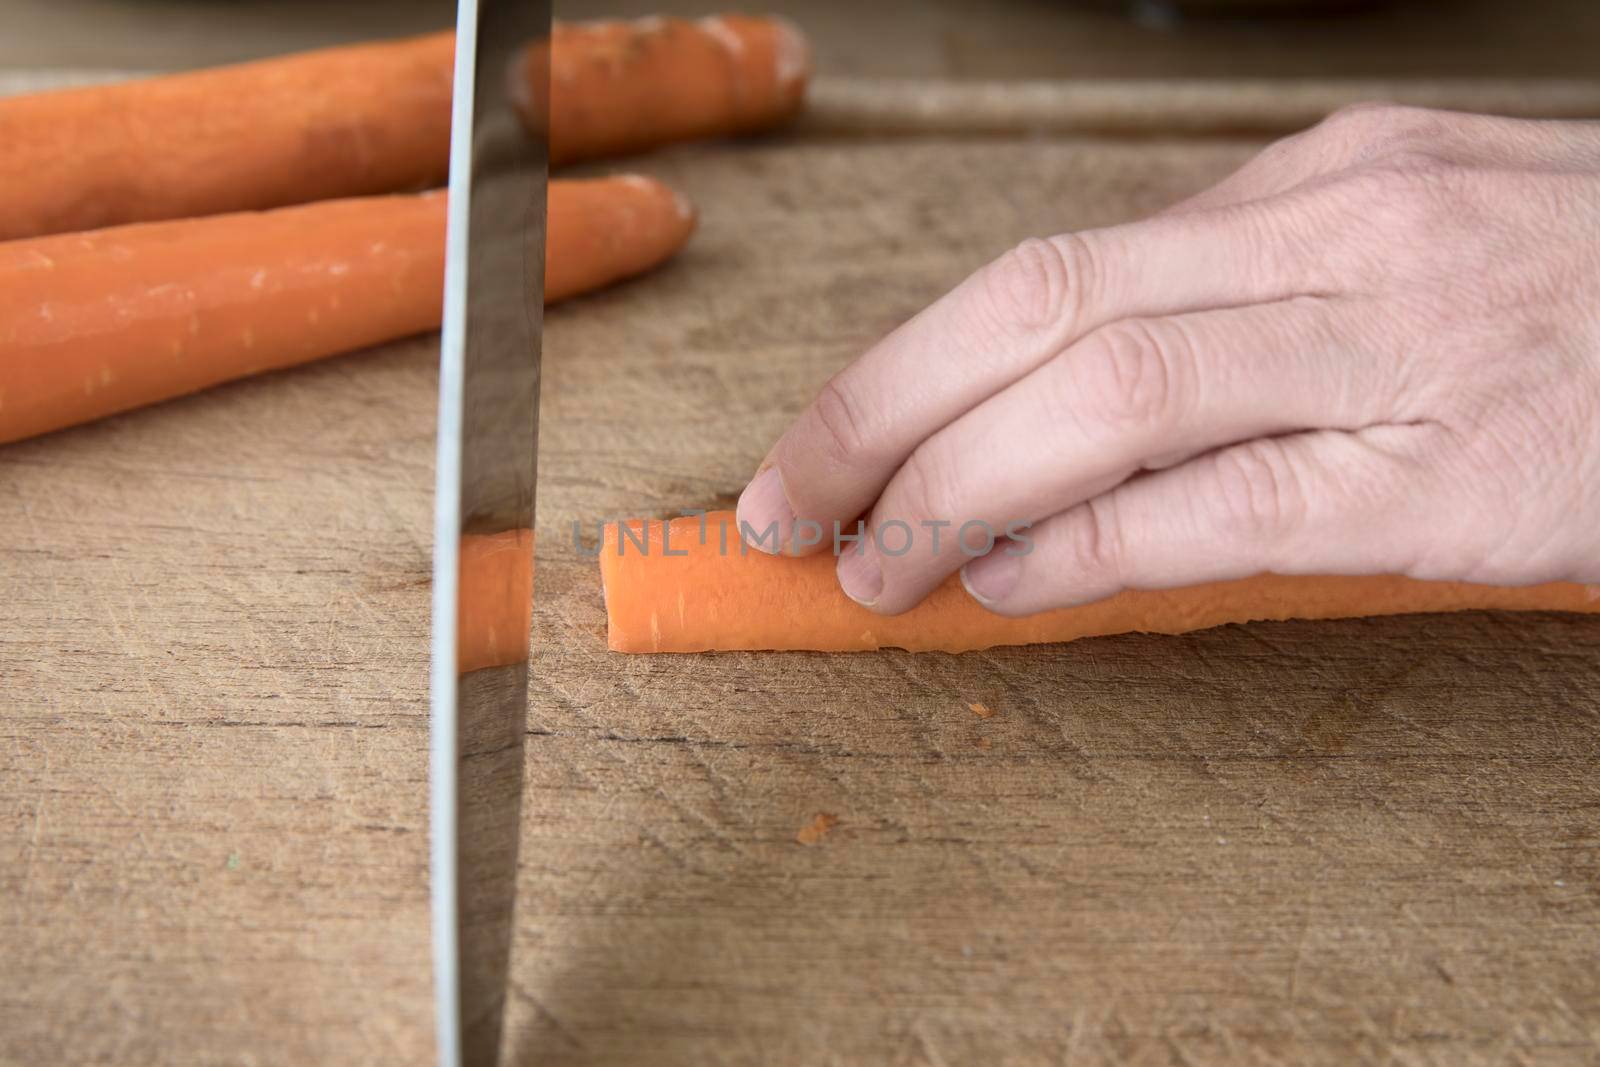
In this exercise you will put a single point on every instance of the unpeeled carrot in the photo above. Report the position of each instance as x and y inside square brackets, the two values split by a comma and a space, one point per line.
[338, 122]
[715, 598]
[101, 322]
[623, 87]
[367, 119]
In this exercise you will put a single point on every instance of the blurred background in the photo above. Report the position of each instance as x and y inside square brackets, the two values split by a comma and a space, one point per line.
[995, 39]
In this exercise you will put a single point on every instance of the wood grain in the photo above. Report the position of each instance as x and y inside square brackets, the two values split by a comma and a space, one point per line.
[1355, 841]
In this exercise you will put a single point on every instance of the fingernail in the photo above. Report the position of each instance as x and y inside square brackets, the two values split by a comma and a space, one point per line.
[764, 510]
[992, 578]
[860, 576]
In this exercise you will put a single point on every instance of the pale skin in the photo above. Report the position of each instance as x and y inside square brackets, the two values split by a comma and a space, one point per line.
[1375, 349]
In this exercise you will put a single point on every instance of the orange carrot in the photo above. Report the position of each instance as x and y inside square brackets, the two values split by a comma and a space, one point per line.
[96, 323]
[496, 599]
[622, 87]
[710, 599]
[602, 230]
[351, 121]
[367, 119]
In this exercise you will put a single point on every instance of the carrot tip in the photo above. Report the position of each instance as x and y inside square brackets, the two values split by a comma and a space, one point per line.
[793, 54]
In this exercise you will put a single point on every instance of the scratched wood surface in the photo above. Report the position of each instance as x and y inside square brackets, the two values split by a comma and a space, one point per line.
[1352, 841]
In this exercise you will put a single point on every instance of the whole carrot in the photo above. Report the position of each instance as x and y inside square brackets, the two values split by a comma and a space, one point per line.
[366, 119]
[669, 590]
[623, 87]
[100, 322]
[338, 122]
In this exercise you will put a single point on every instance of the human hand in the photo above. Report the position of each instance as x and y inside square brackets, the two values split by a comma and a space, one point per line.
[1373, 349]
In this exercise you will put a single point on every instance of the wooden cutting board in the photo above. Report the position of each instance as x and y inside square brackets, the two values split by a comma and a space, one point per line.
[1361, 840]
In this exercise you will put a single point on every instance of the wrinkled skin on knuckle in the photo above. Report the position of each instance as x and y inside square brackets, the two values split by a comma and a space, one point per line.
[1032, 288]
[1090, 543]
[926, 488]
[1256, 492]
[1375, 129]
[1126, 380]
[841, 428]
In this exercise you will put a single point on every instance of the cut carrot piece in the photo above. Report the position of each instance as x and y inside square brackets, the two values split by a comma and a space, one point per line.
[622, 87]
[713, 598]
[101, 322]
[372, 118]
[495, 599]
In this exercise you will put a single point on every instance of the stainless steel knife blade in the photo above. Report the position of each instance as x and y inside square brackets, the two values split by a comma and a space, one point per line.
[484, 509]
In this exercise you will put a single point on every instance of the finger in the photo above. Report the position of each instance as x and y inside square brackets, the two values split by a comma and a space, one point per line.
[1000, 324]
[1137, 394]
[1324, 502]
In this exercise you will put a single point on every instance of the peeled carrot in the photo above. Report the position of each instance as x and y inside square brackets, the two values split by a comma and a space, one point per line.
[371, 118]
[622, 87]
[495, 599]
[96, 323]
[712, 599]
[602, 230]
[338, 122]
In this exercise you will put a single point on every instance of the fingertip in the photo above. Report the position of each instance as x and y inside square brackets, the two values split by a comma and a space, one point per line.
[991, 579]
[763, 512]
[861, 575]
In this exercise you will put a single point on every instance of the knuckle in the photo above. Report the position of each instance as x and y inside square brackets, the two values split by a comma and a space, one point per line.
[1031, 285]
[1353, 123]
[1093, 539]
[1256, 491]
[1128, 378]
[841, 422]
[926, 488]
[1376, 122]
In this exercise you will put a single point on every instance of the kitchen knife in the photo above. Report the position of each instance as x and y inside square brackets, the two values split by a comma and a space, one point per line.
[484, 510]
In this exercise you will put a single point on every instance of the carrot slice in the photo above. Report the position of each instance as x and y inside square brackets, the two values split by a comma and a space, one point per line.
[371, 118]
[712, 598]
[623, 87]
[495, 599]
[100, 322]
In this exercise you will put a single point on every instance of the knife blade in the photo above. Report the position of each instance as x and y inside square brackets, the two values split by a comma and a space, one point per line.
[490, 347]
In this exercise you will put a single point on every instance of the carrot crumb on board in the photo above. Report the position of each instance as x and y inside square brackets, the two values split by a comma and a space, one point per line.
[985, 744]
[982, 711]
[817, 828]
